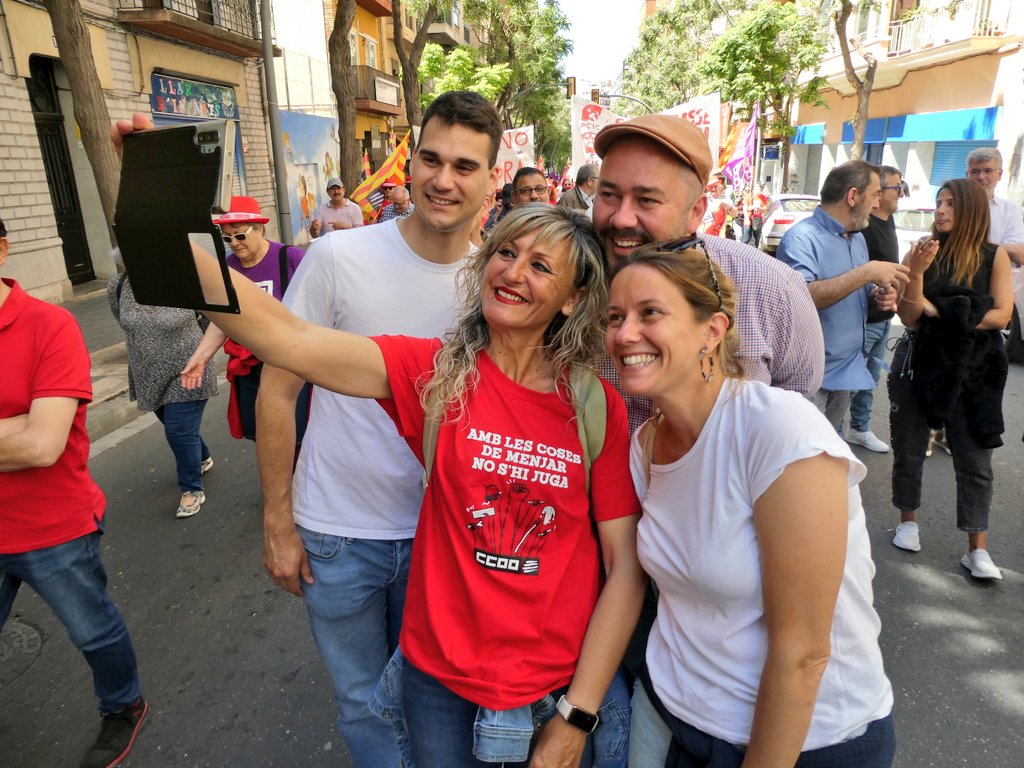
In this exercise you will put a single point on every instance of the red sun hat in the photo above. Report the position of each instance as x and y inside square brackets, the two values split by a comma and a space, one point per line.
[244, 210]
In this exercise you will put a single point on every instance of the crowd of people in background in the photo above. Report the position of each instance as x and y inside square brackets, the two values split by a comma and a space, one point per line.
[471, 514]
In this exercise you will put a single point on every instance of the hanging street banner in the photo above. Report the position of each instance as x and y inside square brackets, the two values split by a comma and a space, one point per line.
[706, 113]
[587, 119]
[515, 152]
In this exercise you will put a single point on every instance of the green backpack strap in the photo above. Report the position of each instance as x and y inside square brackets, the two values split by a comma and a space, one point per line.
[591, 415]
[591, 409]
[431, 425]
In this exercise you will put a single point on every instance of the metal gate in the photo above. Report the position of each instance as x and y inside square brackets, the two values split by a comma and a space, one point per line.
[60, 177]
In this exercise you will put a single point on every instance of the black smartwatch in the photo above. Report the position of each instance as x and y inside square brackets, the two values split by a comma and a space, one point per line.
[576, 717]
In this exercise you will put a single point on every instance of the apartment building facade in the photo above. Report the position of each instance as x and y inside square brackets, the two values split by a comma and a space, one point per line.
[179, 61]
[950, 78]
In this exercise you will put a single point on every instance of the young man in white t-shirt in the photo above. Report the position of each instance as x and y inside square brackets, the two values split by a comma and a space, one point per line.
[340, 533]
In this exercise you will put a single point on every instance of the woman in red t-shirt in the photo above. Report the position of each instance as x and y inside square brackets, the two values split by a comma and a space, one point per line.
[506, 602]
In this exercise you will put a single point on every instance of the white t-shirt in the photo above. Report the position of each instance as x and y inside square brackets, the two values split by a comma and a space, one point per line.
[697, 541]
[356, 477]
[1007, 225]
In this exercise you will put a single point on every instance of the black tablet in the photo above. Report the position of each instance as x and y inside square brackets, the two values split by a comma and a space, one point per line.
[172, 182]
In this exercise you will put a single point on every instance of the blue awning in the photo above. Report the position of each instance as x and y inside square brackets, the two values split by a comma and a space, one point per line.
[954, 125]
[809, 134]
[875, 133]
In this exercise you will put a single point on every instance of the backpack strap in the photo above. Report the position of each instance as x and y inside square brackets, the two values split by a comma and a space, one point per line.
[591, 408]
[647, 434]
[282, 265]
[431, 425]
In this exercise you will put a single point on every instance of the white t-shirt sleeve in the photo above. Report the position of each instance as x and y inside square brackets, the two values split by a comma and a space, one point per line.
[784, 430]
[311, 292]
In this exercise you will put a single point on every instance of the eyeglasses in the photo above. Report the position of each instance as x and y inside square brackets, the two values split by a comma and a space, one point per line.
[534, 190]
[240, 237]
[894, 186]
[686, 244]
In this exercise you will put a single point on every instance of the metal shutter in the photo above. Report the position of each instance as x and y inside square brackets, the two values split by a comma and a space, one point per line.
[951, 160]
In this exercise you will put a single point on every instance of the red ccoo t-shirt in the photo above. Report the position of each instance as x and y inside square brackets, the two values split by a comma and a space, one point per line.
[505, 566]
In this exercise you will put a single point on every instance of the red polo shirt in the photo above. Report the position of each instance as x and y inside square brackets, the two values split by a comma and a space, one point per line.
[43, 354]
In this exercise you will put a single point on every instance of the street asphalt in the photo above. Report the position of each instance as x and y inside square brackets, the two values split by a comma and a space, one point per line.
[234, 680]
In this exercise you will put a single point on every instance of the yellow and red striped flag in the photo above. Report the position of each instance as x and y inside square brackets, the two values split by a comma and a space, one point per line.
[733, 140]
[366, 164]
[391, 169]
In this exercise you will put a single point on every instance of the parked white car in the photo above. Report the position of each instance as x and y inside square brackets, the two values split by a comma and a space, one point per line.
[783, 212]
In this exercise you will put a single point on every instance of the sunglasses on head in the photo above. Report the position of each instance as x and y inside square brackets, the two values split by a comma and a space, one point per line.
[240, 236]
[688, 243]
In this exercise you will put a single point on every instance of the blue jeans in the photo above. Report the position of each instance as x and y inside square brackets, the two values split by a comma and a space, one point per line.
[181, 428]
[355, 608]
[875, 336]
[71, 580]
[441, 724]
[248, 388]
[653, 744]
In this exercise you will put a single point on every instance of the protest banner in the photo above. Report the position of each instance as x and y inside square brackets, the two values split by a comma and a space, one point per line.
[706, 113]
[515, 152]
[587, 119]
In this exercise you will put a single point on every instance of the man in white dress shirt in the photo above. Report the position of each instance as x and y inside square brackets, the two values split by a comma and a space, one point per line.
[985, 166]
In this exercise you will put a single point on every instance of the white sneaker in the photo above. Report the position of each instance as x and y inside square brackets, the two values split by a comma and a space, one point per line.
[188, 509]
[980, 565]
[908, 537]
[206, 466]
[867, 439]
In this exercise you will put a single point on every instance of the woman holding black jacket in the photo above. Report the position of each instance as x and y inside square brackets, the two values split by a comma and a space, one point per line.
[949, 368]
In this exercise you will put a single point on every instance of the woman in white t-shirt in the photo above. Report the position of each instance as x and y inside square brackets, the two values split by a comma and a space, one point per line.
[765, 650]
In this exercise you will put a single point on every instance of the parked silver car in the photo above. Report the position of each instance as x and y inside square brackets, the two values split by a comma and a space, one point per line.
[783, 212]
[912, 223]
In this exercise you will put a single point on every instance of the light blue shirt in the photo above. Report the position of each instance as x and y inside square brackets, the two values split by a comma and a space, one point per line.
[819, 248]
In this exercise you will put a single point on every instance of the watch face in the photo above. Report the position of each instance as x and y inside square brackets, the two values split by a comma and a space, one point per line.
[576, 717]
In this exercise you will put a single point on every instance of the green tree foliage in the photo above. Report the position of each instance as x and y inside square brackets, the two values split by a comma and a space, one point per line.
[531, 39]
[662, 69]
[458, 70]
[760, 59]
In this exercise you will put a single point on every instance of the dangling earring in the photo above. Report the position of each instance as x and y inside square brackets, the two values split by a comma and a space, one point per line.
[711, 365]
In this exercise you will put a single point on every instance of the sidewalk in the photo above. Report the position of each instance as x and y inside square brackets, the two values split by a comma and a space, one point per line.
[110, 408]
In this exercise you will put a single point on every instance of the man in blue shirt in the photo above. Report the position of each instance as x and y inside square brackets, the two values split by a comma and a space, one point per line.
[830, 253]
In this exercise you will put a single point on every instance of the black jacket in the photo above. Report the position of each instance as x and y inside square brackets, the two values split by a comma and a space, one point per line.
[954, 362]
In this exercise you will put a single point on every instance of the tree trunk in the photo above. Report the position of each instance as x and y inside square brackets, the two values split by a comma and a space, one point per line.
[410, 60]
[861, 87]
[342, 83]
[90, 108]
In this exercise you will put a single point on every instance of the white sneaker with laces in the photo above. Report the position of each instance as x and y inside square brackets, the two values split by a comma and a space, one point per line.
[908, 537]
[206, 466]
[980, 564]
[867, 439]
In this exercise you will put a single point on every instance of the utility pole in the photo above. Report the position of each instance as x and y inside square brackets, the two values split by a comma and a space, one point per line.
[284, 216]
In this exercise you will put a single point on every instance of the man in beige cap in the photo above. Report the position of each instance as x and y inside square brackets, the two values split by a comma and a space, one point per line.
[651, 189]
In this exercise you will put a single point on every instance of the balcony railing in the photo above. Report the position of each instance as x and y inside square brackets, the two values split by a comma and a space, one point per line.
[239, 16]
[960, 21]
[372, 85]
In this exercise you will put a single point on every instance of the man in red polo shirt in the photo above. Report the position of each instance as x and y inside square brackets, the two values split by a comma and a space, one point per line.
[51, 517]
